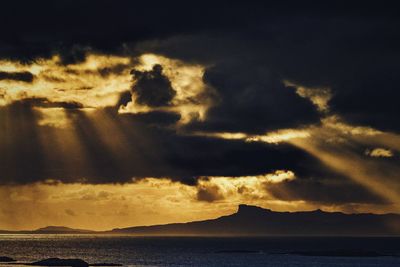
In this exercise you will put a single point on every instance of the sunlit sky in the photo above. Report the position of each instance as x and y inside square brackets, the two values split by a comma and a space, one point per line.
[141, 123]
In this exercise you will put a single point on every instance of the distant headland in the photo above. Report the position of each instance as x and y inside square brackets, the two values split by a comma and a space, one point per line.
[256, 221]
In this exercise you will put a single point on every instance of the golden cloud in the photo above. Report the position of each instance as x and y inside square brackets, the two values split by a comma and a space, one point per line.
[320, 97]
[91, 82]
[193, 98]
[379, 153]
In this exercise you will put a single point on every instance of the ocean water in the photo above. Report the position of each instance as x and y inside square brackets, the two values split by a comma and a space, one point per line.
[198, 251]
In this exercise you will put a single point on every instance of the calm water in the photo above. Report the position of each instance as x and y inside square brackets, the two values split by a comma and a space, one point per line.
[196, 251]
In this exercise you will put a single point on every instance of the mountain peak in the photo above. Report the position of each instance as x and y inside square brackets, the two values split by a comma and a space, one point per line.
[249, 209]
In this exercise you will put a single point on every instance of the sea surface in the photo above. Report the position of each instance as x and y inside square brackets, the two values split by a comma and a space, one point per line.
[199, 251]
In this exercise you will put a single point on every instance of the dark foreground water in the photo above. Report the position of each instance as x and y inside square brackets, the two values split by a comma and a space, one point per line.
[198, 251]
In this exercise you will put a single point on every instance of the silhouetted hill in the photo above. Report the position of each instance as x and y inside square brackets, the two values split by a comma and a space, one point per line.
[50, 230]
[60, 229]
[251, 220]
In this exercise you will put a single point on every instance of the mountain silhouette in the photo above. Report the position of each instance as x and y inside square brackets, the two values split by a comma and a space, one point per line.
[252, 220]
[256, 221]
[60, 229]
[50, 230]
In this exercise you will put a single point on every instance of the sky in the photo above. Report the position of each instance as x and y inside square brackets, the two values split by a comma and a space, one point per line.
[124, 113]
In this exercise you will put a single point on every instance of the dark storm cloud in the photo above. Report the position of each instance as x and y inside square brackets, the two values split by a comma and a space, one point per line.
[253, 99]
[23, 76]
[146, 149]
[42, 28]
[350, 47]
[124, 98]
[249, 48]
[39, 28]
[73, 55]
[117, 69]
[158, 118]
[356, 60]
[152, 88]
[143, 151]
[29, 103]
[355, 54]
[329, 188]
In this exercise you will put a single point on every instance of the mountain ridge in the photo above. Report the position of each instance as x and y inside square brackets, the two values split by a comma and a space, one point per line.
[253, 221]
[50, 230]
